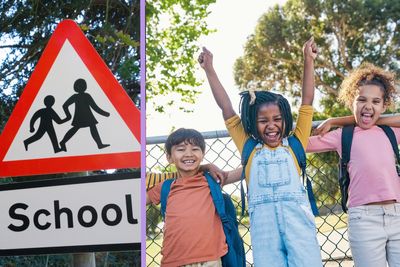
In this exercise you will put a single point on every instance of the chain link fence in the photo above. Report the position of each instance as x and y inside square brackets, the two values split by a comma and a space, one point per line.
[322, 169]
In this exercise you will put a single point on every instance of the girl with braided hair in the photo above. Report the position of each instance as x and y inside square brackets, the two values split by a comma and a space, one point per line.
[282, 225]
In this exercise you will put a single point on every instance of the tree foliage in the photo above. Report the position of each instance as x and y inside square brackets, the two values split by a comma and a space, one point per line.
[172, 29]
[112, 26]
[347, 33]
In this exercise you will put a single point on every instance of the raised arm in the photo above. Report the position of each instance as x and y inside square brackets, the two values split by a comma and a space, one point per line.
[220, 95]
[310, 53]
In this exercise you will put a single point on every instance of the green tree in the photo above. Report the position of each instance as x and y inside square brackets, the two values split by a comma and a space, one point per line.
[172, 29]
[112, 27]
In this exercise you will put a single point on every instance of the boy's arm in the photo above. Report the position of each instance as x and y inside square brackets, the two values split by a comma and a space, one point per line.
[35, 116]
[219, 93]
[310, 53]
[65, 108]
[392, 121]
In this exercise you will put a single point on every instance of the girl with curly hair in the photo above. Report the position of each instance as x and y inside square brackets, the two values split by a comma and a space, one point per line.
[374, 189]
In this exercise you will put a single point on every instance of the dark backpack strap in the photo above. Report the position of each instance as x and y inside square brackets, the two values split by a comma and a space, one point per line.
[344, 179]
[248, 147]
[300, 154]
[393, 141]
[347, 140]
[165, 188]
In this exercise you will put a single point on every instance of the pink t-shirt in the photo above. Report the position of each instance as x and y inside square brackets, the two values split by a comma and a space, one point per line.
[373, 176]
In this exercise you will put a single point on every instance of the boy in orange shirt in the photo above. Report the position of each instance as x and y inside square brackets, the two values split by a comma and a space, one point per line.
[193, 233]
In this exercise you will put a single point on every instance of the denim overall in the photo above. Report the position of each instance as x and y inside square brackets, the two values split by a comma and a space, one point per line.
[282, 225]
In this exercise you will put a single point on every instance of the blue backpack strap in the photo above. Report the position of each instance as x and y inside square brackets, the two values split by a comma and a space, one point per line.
[236, 256]
[217, 197]
[165, 188]
[300, 154]
[248, 147]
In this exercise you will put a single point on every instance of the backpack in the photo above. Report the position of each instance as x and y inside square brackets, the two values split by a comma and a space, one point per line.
[235, 257]
[347, 139]
[300, 154]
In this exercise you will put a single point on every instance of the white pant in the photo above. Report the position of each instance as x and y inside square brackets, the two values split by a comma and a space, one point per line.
[374, 235]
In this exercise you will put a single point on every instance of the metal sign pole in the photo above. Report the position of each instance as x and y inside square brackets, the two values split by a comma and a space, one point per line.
[83, 259]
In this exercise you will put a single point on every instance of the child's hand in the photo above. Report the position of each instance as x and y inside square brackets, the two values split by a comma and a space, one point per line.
[216, 173]
[310, 49]
[205, 59]
[323, 128]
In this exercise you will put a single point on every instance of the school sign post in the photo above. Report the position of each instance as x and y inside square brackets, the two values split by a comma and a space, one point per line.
[60, 216]
[72, 116]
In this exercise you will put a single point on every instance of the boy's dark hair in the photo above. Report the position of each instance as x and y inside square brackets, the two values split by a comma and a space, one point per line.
[189, 136]
[249, 112]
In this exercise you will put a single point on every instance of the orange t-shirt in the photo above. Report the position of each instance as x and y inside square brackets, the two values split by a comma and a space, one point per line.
[193, 230]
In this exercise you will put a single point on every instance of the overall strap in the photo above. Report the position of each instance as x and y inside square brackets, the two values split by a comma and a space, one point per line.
[248, 147]
[300, 154]
[344, 179]
[165, 188]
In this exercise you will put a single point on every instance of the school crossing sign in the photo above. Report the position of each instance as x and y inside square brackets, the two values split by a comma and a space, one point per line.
[73, 115]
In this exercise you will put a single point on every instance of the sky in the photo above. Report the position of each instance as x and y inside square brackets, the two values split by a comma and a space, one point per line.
[234, 22]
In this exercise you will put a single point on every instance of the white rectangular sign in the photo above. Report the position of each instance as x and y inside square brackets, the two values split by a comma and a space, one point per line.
[82, 214]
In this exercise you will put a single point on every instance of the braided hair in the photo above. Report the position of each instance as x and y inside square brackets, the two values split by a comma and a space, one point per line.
[249, 112]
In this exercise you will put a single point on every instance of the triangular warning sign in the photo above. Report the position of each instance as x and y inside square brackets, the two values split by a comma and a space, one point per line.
[73, 115]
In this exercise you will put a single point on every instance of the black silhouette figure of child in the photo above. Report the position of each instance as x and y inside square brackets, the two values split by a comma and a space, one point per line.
[46, 115]
[83, 116]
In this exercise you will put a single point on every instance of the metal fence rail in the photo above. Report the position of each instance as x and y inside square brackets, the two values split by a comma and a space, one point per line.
[220, 150]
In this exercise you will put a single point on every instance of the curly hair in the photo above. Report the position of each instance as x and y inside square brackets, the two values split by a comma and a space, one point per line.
[367, 74]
